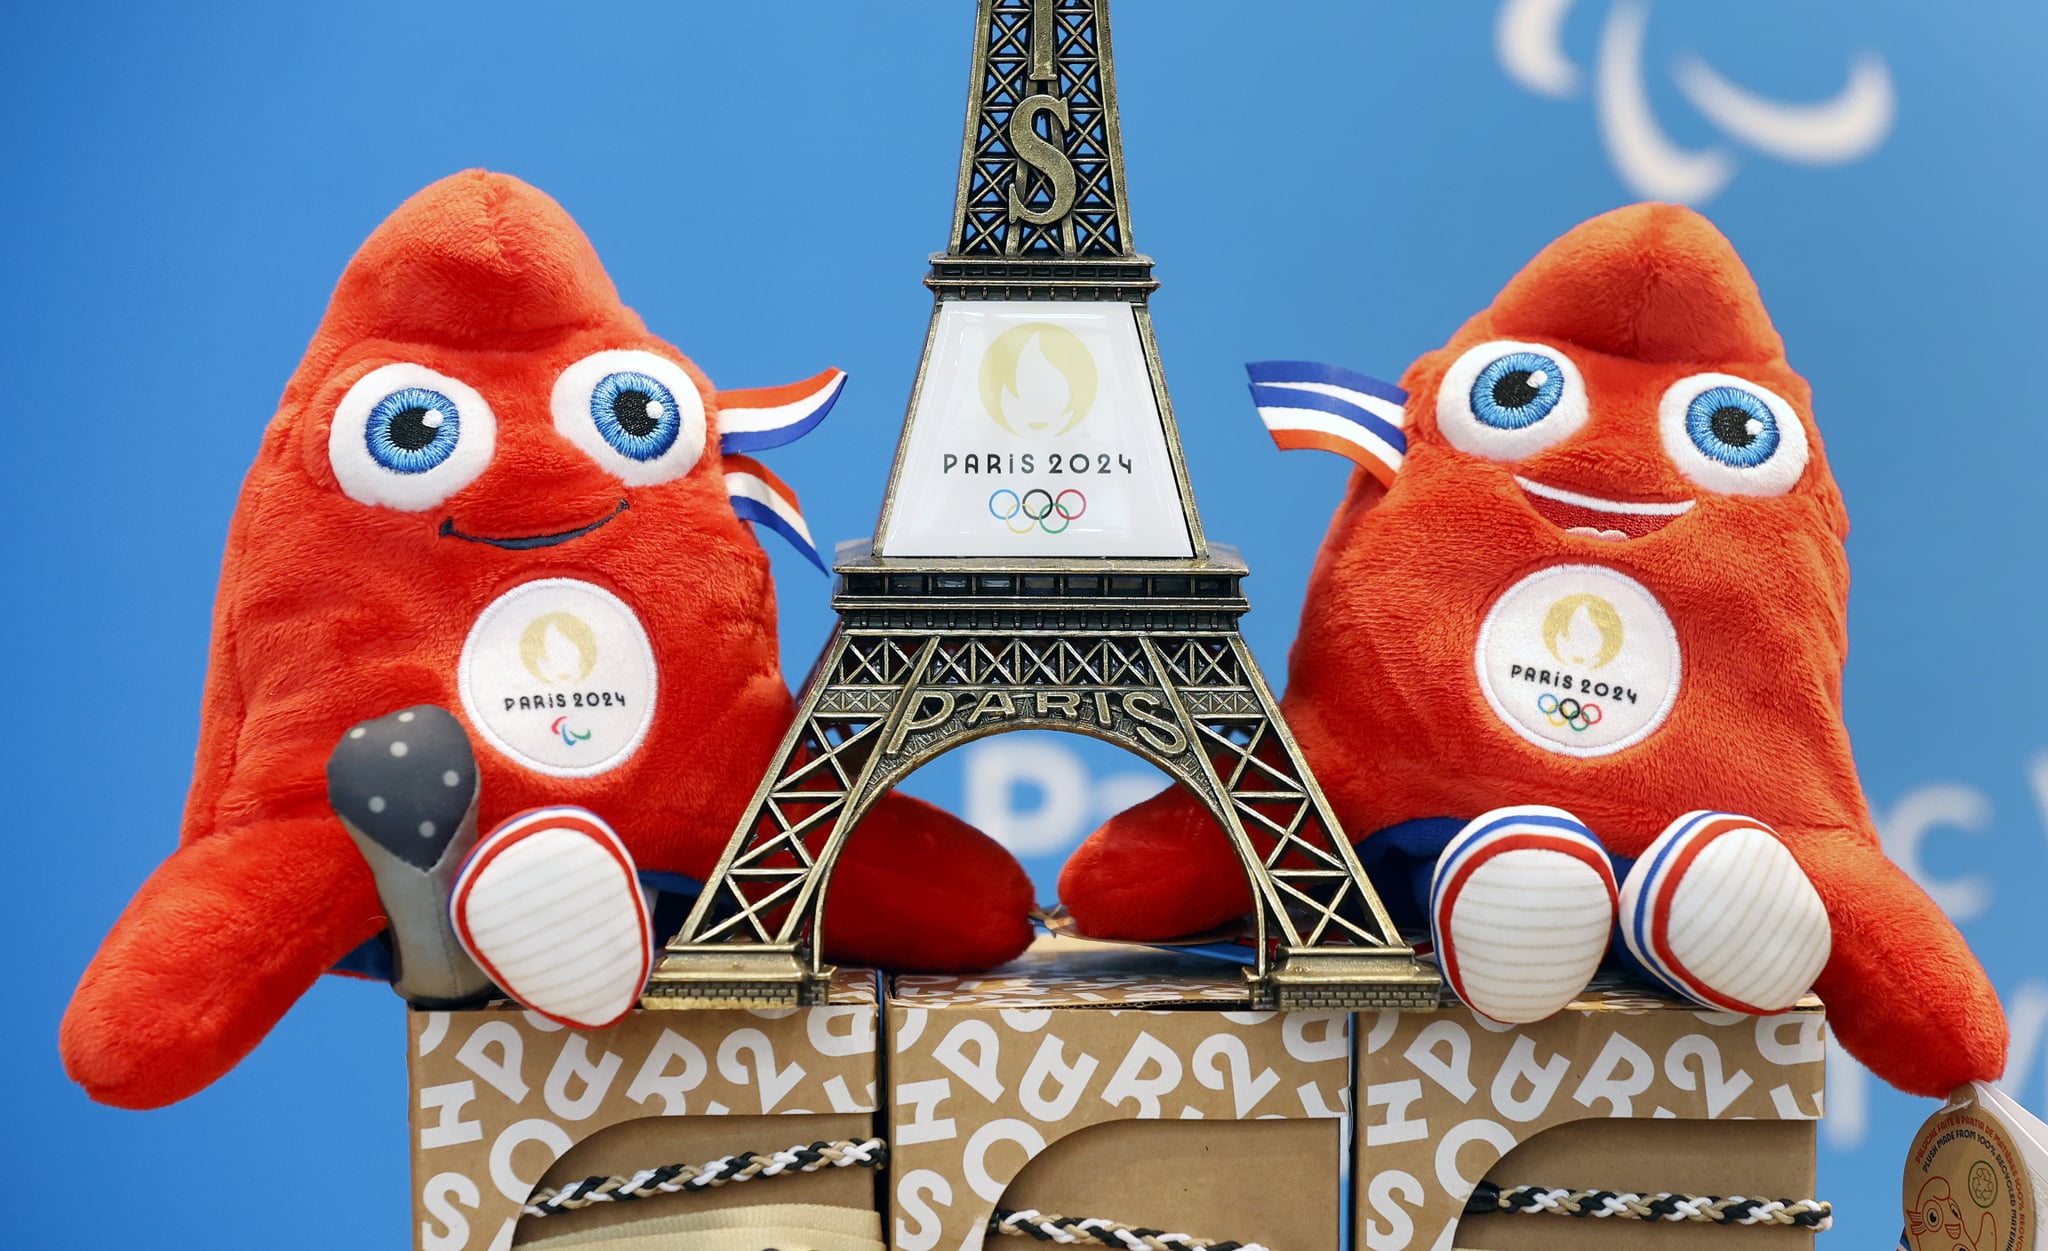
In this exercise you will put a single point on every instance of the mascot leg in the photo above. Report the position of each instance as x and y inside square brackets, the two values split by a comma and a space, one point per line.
[550, 906]
[218, 943]
[405, 787]
[917, 888]
[1521, 909]
[1719, 911]
[1904, 994]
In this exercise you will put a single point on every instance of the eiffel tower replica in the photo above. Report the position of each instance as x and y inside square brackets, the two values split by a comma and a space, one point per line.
[1039, 564]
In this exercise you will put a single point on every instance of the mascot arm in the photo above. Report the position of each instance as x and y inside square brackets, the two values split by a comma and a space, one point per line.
[916, 887]
[1161, 869]
[218, 943]
[1165, 868]
[1904, 994]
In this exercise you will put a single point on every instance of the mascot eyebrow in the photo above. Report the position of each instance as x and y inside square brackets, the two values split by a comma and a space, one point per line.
[494, 663]
[1569, 665]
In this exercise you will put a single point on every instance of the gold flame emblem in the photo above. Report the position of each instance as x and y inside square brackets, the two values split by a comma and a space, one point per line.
[1038, 377]
[1583, 629]
[558, 647]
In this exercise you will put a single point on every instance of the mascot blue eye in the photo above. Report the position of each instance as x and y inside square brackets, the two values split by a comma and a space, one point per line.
[1733, 426]
[635, 414]
[412, 430]
[638, 414]
[1517, 391]
[1731, 435]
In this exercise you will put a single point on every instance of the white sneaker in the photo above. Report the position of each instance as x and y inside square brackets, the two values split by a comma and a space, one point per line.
[1521, 908]
[549, 905]
[1719, 911]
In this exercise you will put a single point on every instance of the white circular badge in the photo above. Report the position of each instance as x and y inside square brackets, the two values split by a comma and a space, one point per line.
[559, 675]
[1579, 659]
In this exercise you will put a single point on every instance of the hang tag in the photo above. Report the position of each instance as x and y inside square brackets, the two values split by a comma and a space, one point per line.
[1975, 1176]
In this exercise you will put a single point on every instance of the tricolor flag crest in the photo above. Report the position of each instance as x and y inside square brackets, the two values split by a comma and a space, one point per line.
[764, 499]
[765, 417]
[1306, 404]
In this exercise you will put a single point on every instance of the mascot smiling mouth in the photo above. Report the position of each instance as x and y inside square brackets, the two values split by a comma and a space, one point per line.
[1592, 517]
[523, 543]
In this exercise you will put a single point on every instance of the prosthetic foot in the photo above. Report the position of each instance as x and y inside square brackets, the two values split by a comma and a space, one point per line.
[405, 787]
[550, 907]
[1521, 910]
[1720, 912]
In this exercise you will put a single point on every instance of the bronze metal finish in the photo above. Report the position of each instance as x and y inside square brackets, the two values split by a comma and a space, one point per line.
[931, 652]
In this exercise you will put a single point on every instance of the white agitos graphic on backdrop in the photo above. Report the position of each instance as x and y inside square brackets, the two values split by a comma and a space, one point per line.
[1847, 127]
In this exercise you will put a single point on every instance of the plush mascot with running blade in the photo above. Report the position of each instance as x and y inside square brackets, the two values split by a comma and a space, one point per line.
[494, 658]
[1572, 675]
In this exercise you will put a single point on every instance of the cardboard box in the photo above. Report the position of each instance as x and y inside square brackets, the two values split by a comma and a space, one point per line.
[1622, 1091]
[504, 1100]
[1095, 1080]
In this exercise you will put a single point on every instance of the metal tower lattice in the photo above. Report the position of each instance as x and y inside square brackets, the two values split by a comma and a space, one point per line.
[1144, 652]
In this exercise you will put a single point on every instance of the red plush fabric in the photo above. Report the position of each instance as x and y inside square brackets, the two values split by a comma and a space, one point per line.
[331, 612]
[1385, 701]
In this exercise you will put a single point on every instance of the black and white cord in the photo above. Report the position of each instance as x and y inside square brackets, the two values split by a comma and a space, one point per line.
[1095, 1231]
[1734, 1210]
[689, 1178]
[873, 1153]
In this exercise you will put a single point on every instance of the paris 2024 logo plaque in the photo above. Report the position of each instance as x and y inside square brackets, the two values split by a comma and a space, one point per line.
[1037, 433]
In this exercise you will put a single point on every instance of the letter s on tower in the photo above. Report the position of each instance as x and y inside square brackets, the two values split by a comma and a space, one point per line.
[1032, 149]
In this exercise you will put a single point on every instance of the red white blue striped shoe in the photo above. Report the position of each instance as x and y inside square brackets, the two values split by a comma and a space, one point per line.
[1719, 911]
[1521, 908]
[549, 905]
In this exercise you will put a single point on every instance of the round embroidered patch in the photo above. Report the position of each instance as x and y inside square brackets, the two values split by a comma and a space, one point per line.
[559, 675]
[1579, 659]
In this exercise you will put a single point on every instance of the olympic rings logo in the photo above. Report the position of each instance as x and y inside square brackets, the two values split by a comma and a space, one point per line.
[1568, 712]
[1066, 507]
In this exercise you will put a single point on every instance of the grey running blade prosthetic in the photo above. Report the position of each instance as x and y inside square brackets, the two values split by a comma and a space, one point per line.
[405, 786]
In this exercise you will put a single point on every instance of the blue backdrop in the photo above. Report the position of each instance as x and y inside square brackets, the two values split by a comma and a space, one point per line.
[1335, 181]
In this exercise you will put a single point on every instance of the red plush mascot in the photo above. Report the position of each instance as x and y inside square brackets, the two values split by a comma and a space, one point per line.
[492, 517]
[1574, 673]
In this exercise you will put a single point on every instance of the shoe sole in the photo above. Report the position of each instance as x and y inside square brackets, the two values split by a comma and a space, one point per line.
[404, 786]
[1720, 911]
[1522, 906]
[549, 905]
